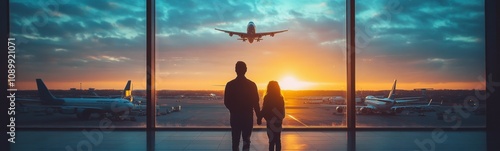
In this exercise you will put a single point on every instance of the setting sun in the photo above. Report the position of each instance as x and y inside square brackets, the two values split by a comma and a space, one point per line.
[291, 83]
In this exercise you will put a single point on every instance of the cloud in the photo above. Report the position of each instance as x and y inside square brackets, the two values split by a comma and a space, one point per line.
[105, 58]
[436, 34]
[444, 39]
[78, 38]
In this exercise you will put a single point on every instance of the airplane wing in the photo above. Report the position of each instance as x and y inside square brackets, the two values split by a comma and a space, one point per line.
[409, 98]
[28, 102]
[339, 109]
[231, 33]
[423, 107]
[405, 101]
[37, 103]
[269, 33]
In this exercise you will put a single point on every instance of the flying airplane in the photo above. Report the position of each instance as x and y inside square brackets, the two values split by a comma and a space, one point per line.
[82, 107]
[251, 35]
[387, 105]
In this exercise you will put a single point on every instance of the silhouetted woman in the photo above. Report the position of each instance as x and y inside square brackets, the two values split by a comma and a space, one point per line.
[273, 110]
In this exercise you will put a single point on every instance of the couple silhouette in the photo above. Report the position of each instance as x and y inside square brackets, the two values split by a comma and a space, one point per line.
[241, 98]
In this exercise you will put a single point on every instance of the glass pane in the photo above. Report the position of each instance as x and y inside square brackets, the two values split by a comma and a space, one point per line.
[105, 138]
[418, 63]
[221, 140]
[83, 53]
[421, 140]
[199, 43]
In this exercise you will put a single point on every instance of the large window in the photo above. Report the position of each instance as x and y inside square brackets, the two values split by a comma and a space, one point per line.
[84, 52]
[195, 61]
[419, 64]
[436, 52]
[90, 50]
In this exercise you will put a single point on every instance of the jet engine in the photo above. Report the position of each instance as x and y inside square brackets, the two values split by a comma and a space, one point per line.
[69, 110]
[398, 110]
[339, 109]
[366, 110]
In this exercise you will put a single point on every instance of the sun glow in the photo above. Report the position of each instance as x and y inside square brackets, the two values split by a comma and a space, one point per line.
[291, 83]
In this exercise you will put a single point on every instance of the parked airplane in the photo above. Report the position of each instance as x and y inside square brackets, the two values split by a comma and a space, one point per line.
[387, 105]
[82, 107]
[251, 35]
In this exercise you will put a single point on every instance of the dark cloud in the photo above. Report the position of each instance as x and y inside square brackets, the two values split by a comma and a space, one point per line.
[19, 9]
[443, 38]
[101, 4]
[131, 22]
[75, 11]
[189, 15]
[295, 13]
[77, 42]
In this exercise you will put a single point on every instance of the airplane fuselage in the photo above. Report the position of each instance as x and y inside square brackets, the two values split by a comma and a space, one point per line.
[383, 105]
[99, 105]
[84, 107]
[106, 104]
[251, 35]
[251, 32]
[380, 104]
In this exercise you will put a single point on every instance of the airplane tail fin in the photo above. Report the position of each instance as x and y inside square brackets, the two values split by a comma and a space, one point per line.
[393, 91]
[44, 92]
[127, 91]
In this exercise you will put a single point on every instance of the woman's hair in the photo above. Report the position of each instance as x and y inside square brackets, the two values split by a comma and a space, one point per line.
[273, 89]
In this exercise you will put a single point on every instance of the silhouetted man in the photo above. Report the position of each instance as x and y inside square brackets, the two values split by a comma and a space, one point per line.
[241, 97]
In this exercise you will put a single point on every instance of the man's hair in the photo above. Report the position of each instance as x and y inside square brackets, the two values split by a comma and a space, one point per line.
[241, 68]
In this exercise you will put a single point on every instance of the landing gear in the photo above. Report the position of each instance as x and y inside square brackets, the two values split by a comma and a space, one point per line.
[389, 113]
[366, 111]
[85, 115]
[121, 116]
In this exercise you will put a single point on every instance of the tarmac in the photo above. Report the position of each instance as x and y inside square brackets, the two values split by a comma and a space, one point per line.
[211, 113]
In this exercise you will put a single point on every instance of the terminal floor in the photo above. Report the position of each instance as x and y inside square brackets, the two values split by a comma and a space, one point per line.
[96, 140]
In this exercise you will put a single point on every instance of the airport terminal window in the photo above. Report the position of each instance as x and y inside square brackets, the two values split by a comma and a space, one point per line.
[84, 52]
[90, 50]
[434, 49]
[87, 50]
[194, 61]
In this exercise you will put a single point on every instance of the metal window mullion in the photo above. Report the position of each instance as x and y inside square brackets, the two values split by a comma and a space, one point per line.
[351, 76]
[150, 75]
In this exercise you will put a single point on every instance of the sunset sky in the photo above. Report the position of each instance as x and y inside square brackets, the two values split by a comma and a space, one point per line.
[101, 44]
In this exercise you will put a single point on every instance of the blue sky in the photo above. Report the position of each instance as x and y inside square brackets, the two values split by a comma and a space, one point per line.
[102, 43]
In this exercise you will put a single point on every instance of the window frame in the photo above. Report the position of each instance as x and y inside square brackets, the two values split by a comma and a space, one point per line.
[492, 58]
